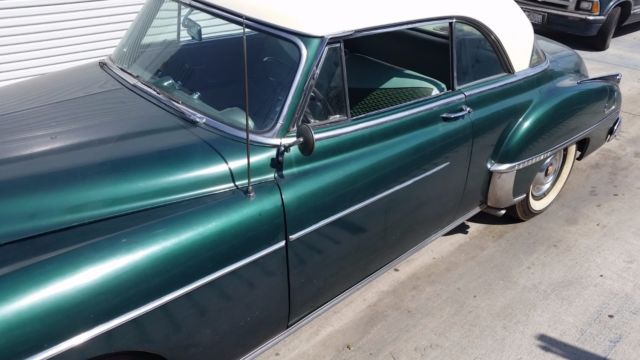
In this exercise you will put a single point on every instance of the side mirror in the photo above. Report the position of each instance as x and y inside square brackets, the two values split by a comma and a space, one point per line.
[193, 28]
[306, 139]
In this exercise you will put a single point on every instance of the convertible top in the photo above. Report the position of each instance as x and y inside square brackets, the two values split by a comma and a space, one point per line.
[331, 17]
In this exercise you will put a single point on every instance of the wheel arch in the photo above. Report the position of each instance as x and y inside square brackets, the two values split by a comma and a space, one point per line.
[570, 112]
[626, 7]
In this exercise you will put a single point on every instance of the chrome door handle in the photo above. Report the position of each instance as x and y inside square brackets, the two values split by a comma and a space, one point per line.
[457, 115]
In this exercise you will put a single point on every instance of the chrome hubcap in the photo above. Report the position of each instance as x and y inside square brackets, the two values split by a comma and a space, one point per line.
[547, 175]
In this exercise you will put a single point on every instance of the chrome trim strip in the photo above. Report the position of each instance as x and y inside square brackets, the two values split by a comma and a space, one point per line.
[509, 78]
[500, 193]
[503, 168]
[615, 78]
[194, 116]
[102, 328]
[307, 319]
[364, 203]
[382, 120]
[563, 13]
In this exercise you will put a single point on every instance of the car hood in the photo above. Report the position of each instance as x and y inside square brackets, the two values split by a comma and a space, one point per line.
[77, 146]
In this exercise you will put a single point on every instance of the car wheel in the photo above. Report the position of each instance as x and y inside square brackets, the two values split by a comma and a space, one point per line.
[603, 38]
[546, 185]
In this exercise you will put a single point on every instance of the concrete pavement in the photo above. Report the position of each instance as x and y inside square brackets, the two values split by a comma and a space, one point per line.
[565, 285]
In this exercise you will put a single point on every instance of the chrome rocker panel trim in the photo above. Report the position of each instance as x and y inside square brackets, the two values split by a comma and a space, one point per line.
[100, 329]
[300, 324]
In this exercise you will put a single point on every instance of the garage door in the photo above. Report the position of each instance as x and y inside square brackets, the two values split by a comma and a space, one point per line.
[41, 36]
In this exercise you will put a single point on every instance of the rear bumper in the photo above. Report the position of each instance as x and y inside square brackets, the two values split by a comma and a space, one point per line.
[567, 21]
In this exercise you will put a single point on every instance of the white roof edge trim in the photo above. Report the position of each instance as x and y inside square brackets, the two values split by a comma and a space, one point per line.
[329, 17]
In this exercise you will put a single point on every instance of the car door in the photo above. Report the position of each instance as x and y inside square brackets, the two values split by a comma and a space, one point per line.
[498, 99]
[389, 165]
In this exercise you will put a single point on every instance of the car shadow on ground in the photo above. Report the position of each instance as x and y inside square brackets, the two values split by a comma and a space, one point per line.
[586, 43]
[564, 350]
[481, 218]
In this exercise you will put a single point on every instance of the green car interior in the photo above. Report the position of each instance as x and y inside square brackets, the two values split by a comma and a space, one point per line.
[380, 73]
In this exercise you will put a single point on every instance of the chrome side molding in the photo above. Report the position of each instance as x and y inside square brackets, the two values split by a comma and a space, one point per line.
[358, 206]
[81, 338]
[612, 78]
[496, 167]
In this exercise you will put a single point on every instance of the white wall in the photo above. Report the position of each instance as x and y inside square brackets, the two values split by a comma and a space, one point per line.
[40, 36]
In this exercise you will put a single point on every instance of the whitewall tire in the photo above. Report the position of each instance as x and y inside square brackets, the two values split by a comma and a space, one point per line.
[551, 177]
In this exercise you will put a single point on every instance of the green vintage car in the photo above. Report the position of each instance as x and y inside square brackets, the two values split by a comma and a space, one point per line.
[237, 167]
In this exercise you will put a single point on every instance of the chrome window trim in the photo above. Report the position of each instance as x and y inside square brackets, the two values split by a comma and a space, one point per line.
[509, 167]
[496, 44]
[324, 308]
[360, 205]
[493, 39]
[314, 79]
[268, 137]
[365, 124]
[334, 40]
[489, 35]
[508, 79]
[109, 325]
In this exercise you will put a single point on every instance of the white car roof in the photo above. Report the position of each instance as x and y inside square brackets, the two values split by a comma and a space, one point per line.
[330, 17]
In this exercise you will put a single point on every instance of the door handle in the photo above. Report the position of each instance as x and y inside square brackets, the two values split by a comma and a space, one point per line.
[457, 115]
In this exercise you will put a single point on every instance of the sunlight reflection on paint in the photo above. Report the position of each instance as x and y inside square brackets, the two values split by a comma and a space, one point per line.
[92, 274]
[212, 170]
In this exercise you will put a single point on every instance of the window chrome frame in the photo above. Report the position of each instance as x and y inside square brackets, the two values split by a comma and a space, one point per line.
[314, 78]
[268, 137]
[333, 40]
[495, 43]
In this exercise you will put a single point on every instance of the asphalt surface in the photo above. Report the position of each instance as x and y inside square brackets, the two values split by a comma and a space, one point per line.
[565, 285]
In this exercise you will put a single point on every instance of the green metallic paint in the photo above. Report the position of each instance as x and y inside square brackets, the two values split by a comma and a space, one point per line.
[114, 202]
[96, 279]
[533, 115]
[349, 169]
[92, 154]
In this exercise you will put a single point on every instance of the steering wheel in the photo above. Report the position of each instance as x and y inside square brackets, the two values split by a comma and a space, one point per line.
[318, 105]
[275, 68]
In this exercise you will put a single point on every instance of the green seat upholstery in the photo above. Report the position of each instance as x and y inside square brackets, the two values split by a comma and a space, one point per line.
[375, 85]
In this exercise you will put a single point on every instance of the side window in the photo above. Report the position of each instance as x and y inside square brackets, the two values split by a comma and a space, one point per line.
[396, 67]
[327, 102]
[383, 70]
[476, 59]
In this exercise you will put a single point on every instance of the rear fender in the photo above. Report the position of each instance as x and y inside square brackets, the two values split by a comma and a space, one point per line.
[569, 112]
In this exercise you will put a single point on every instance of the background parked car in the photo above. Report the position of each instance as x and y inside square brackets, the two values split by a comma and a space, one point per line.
[598, 19]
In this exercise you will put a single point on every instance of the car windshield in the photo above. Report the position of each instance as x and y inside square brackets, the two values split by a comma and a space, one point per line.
[197, 60]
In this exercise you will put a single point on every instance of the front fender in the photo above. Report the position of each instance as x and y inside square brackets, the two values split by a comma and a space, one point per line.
[627, 5]
[157, 281]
